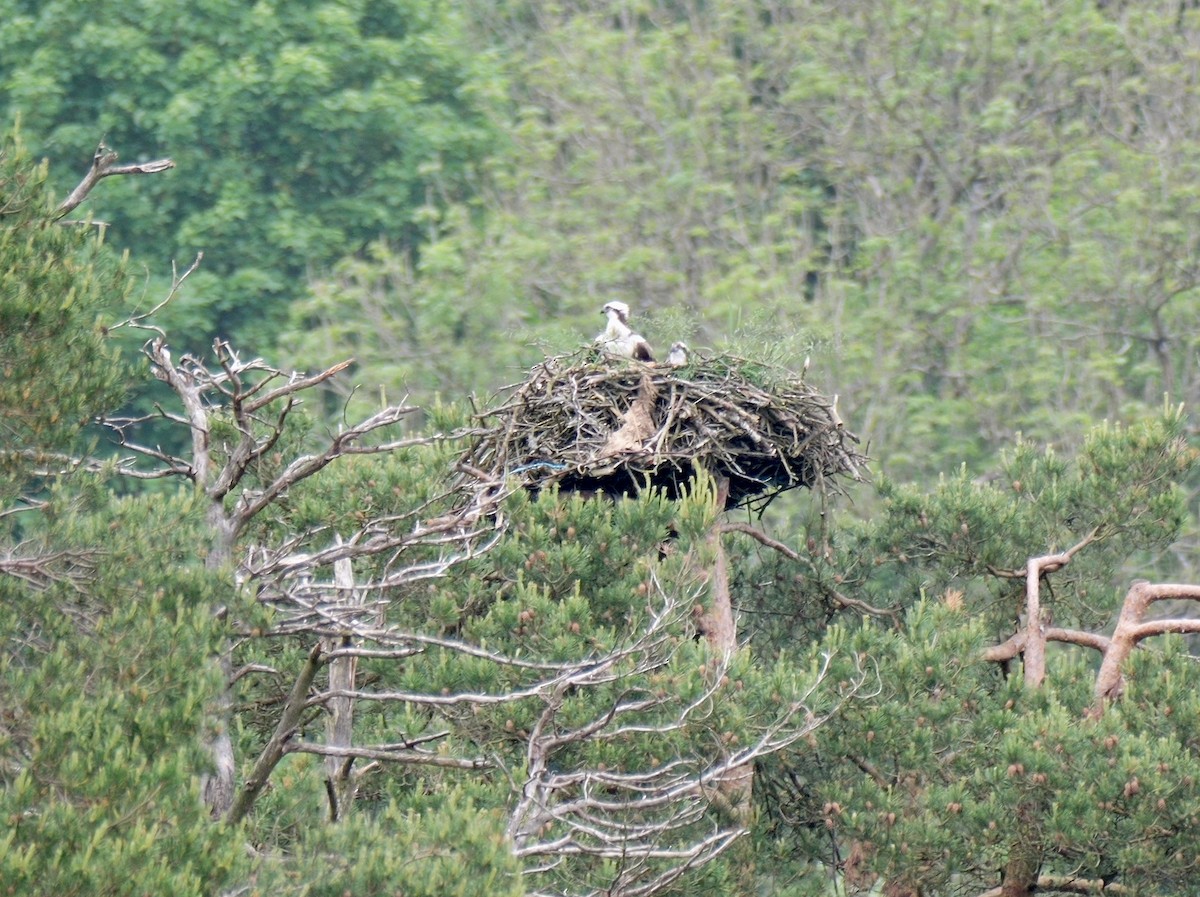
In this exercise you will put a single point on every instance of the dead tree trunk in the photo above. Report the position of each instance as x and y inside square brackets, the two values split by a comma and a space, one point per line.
[339, 724]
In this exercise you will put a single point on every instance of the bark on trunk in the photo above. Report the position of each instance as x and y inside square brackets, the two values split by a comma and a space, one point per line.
[217, 785]
[1024, 855]
[339, 725]
[720, 631]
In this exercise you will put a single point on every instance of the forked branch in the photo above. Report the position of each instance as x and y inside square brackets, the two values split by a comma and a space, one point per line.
[1029, 642]
[104, 164]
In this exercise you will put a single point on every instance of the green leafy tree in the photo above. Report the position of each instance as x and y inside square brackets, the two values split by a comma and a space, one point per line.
[974, 218]
[305, 131]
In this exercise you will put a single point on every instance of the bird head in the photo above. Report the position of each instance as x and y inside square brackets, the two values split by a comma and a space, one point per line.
[619, 309]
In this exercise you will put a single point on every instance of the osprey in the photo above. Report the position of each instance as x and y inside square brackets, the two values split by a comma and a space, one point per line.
[679, 355]
[618, 338]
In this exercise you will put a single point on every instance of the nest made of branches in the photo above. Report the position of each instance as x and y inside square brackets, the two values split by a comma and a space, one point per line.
[595, 424]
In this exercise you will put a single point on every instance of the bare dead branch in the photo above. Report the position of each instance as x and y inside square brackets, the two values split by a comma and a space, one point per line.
[392, 755]
[42, 570]
[190, 393]
[342, 444]
[177, 280]
[251, 668]
[296, 385]
[661, 820]
[56, 464]
[104, 164]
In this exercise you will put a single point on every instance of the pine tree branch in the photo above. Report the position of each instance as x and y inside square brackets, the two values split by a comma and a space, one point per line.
[1064, 884]
[64, 465]
[275, 748]
[387, 755]
[1048, 564]
[1131, 628]
[44, 570]
[1031, 642]
[29, 504]
[1014, 645]
[790, 553]
[1114, 650]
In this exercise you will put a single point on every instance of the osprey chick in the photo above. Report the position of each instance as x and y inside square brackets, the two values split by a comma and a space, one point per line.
[679, 355]
[618, 338]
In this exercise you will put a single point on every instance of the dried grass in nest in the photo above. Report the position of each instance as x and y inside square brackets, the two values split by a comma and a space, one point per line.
[602, 425]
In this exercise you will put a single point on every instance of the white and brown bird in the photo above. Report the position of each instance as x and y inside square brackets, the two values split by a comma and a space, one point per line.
[618, 338]
[678, 356]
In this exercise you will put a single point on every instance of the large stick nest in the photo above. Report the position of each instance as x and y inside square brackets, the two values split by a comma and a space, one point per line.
[603, 425]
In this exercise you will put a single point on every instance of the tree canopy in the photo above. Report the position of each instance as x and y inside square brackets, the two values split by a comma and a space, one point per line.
[973, 218]
[306, 130]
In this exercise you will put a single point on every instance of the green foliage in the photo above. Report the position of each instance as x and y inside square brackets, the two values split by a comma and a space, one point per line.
[949, 208]
[57, 368]
[1122, 495]
[448, 847]
[976, 218]
[302, 132]
[936, 779]
[572, 582]
[107, 685]
[951, 765]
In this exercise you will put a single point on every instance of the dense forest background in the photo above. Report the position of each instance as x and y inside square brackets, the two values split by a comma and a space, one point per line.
[973, 223]
[976, 218]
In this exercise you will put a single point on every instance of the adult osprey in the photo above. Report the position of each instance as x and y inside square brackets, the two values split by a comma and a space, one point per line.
[618, 338]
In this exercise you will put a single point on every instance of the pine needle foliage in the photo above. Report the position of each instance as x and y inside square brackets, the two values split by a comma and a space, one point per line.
[959, 766]
[58, 369]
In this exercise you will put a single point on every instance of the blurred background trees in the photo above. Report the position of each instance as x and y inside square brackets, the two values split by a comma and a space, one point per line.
[978, 216]
[307, 131]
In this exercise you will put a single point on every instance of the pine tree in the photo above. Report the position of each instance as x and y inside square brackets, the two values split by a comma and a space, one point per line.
[106, 626]
[57, 369]
[1016, 740]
